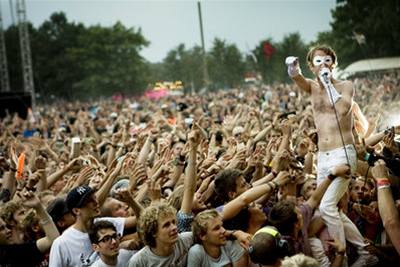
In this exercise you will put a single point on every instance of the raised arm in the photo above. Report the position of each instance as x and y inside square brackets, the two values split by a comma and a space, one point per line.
[294, 72]
[232, 208]
[387, 208]
[43, 244]
[190, 173]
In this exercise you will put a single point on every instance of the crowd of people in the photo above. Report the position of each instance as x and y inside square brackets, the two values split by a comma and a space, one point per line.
[300, 174]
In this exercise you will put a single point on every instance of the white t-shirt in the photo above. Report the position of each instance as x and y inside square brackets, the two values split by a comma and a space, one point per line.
[146, 258]
[74, 249]
[230, 253]
[123, 259]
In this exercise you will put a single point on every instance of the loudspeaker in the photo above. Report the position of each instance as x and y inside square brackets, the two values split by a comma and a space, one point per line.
[15, 102]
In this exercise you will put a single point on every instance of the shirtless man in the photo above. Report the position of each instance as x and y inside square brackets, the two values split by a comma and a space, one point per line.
[335, 148]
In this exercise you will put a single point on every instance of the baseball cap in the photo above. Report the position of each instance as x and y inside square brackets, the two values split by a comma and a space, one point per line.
[57, 209]
[77, 196]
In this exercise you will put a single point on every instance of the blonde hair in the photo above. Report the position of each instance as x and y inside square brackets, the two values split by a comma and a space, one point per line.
[199, 224]
[148, 221]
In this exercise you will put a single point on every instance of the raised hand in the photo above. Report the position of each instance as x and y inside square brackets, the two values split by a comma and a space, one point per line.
[380, 170]
[40, 162]
[293, 66]
[29, 199]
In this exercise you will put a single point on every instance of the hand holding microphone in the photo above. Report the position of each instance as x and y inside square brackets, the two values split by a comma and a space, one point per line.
[293, 66]
[325, 76]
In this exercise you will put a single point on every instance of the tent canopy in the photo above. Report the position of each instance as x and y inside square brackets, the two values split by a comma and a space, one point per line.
[371, 65]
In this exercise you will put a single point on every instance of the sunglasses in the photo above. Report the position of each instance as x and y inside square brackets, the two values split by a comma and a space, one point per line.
[108, 238]
[319, 60]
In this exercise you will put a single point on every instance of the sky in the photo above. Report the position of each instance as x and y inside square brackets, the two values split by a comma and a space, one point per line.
[168, 23]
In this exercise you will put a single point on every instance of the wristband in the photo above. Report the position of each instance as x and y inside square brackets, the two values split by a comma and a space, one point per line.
[340, 253]
[383, 186]
[331, 177]
[232, 237]
[366, 157]
[383, 183]
[44, 221]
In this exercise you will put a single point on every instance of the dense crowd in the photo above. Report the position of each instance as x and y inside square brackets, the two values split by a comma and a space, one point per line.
[227, 178]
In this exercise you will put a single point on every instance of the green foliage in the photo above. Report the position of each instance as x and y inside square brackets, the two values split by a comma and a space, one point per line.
[185, 65]
[273, 68]
[71, 60]
[224, 61]
[109, 60]
[226, 65]
[378, 21]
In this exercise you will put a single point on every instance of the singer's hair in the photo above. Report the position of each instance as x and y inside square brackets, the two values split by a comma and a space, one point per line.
[326, 49]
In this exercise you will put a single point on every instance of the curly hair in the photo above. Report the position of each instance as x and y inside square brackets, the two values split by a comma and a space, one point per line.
[199, 224]
[8, 210]
[148, 222]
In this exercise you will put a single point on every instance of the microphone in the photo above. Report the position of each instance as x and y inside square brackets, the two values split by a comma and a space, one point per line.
[324, 73]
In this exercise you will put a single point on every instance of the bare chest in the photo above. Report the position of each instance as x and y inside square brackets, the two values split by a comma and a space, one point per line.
[322, 105]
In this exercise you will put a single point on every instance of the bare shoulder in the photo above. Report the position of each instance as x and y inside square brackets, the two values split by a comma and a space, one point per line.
[345, 86]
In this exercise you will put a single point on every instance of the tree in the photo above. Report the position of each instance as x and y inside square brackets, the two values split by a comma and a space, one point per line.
[225, 64]
[110, 61]
[377, 21]
[54, 70]
[185, 65]
[271, 65]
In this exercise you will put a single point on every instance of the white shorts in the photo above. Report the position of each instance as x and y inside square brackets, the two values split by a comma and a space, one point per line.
[327, 160]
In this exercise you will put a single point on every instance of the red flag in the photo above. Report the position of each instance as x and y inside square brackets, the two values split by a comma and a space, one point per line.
[268, 49]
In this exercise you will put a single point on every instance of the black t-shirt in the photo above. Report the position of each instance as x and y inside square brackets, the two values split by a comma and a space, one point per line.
[20, 255]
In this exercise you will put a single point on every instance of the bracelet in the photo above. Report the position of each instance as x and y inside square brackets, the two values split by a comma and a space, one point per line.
[383, 187]
[276, 185]
[366, 157]
[269, 186]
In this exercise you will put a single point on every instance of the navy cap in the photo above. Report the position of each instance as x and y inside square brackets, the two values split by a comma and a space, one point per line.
[77, 196]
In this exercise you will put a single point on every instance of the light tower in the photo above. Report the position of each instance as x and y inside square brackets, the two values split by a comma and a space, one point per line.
[25, 50]
[5, 83]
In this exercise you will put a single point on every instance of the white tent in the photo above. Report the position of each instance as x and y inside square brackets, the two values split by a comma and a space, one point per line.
[367, 65]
